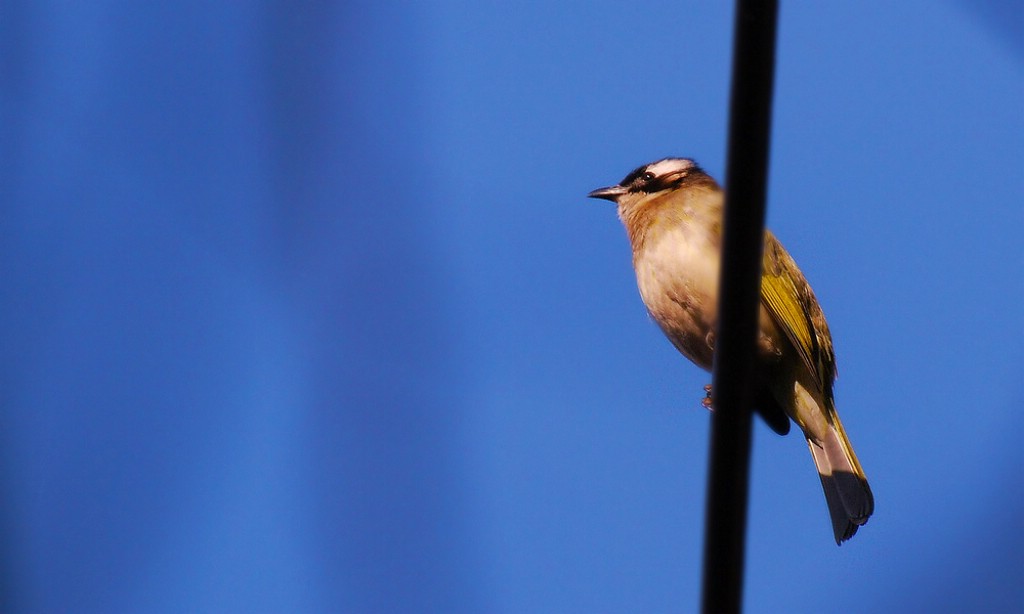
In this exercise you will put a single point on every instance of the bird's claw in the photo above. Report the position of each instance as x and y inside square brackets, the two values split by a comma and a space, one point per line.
[706, 401]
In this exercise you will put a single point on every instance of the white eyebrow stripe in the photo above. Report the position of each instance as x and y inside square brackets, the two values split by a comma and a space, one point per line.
[669, 166]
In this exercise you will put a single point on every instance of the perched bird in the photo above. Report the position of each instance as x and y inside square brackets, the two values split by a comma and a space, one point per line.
[672, 211]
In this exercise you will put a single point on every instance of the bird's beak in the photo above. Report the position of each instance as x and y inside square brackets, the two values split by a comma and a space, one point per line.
[611, 193]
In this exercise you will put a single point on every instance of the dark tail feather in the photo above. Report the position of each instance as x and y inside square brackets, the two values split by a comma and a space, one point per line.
[849, 498]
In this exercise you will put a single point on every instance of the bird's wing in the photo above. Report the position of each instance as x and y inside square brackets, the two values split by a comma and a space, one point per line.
[792, 305]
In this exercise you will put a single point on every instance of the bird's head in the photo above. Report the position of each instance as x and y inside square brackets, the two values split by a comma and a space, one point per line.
[651, 181]
[669, 193]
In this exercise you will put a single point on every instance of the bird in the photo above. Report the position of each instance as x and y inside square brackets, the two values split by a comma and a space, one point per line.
[672, 212]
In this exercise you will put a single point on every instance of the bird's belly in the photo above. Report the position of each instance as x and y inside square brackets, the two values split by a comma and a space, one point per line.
[678, 281]
[689, 331]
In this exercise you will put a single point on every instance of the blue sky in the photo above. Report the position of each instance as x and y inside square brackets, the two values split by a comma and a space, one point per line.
[306, 309]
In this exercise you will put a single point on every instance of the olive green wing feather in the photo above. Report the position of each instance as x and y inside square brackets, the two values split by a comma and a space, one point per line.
[793, 306]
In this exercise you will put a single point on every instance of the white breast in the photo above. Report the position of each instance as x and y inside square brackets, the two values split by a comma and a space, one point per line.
[677, 262]
[677, 274]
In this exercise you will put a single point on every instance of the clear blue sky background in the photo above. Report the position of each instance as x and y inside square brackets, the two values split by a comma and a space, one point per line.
[304, 308]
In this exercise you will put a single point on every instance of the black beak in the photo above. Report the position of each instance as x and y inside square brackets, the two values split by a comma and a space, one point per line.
[611, 193]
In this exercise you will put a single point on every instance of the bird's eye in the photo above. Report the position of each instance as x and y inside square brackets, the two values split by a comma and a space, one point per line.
[647, 177]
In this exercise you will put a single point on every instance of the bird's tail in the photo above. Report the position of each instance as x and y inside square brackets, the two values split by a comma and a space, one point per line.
[847, 493]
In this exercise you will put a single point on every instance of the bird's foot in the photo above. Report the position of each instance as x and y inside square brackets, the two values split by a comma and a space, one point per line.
[706, 401]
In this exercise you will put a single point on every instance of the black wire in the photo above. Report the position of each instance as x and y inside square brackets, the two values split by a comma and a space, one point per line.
[739, 300]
